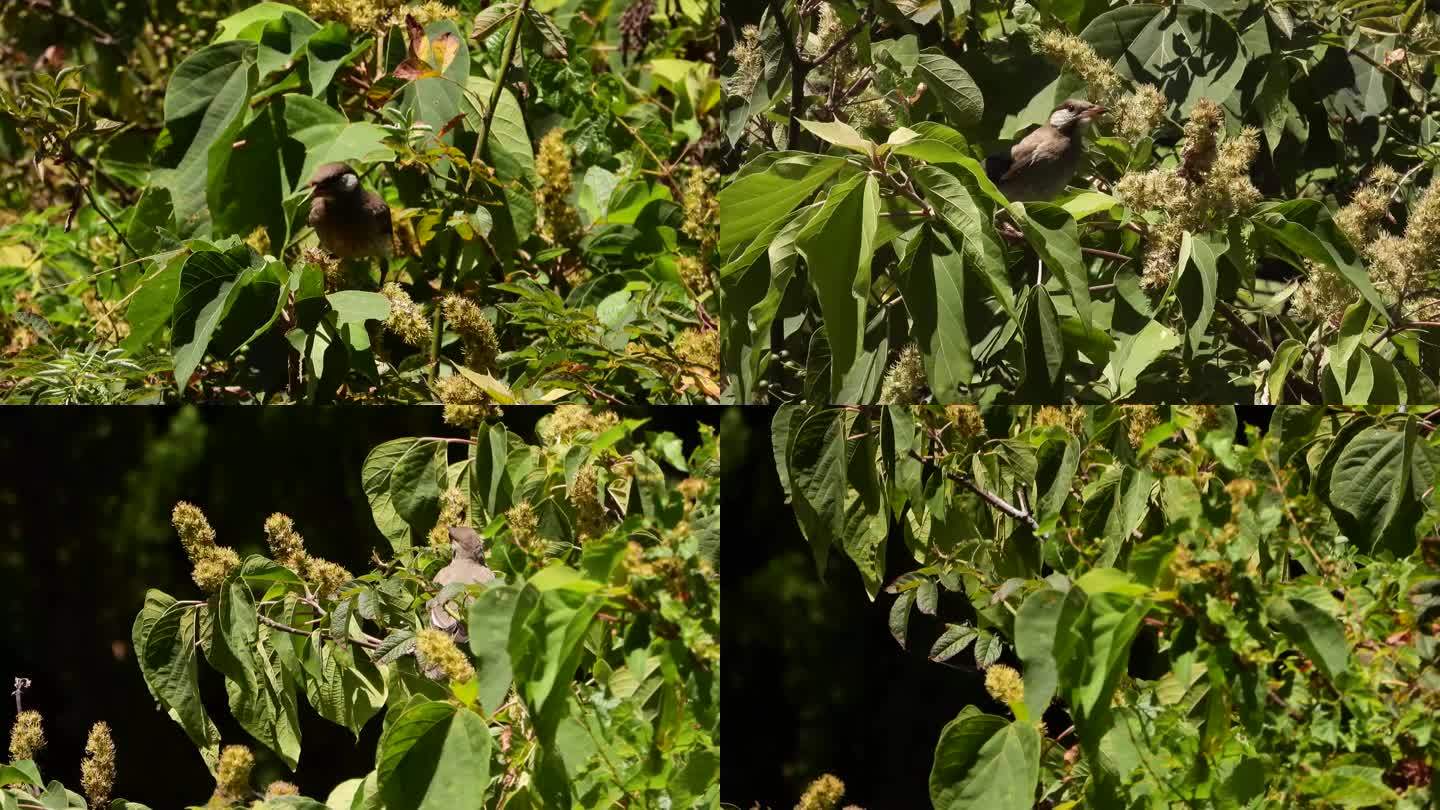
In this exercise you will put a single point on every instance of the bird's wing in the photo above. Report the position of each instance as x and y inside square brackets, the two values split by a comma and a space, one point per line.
[1039, 146]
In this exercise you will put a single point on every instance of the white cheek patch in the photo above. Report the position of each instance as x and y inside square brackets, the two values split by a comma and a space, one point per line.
[1060, 118]
[349, 182]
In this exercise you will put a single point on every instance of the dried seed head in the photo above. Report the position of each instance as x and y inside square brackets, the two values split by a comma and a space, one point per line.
[822, 794]
[214, 566]
[437, 649]
[407, 320]
[1102, 83]
[194, 530]
[1004, 684]
[585, 497]
[326, 577]
[524, 525]
[233, 778]
[287, 547]
[558, 223]
[97, 770]
[452, 513]
[476, 332]
[905, 380]
[27, 736]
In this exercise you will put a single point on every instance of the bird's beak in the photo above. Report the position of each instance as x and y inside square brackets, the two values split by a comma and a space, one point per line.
[1093, 113]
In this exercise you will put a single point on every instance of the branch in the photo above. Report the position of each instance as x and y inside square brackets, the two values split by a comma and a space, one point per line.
[1257, 346]
[798, 69]
[990, 497]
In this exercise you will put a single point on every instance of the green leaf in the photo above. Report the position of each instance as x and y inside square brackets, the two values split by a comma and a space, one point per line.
[817, 462]
[402, 479]
[840, 134]
[552, 615]
[1199, 277]
[1286, 355]
[489, 627]
[766, 190]
[983, 762]
[1043, 642]
[210, 284]
[508, 146]
[328, 137]
[207, 98]
[952, 642]
[1052, 232]
[932, 279]
[1044, 379]
[1308, 245]
[1376, 482]
[970, 222]
[435, 756]
[1349, 786]
[153, 302]
[900, 617]
[838, 243]
[164, 634]
[490, 484]
[959, 97]
[1134, 354]
[1318, 634]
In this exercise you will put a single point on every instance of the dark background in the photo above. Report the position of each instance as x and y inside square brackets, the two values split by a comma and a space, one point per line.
[813, 682]
[85, 500]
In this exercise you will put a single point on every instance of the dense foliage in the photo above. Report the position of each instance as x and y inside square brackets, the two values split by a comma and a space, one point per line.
[1163, 615]
[544, 166]
[1257, 221]
[578, 668]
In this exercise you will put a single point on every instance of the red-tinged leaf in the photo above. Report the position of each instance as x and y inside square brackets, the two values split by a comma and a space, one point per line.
[417, 37]
[443, 50]
[412, 69]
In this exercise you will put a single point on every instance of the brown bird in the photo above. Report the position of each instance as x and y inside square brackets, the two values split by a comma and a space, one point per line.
[467, 568]
[1043, 162]
[350, 221]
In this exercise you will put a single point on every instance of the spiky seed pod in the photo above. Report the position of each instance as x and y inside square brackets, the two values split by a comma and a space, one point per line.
[558, 221]
[277, 789]
[966, 419]
[407, 320]
[1102, 82]
[477, 333]
[232, 780]
[452, 513]
[326, 577]
[585, 497]
[1139, 420]
[287, 547]
[466, 404]
[194, 530]
[97, 770]
[524, 525]
[27, 736]
[567, 422]
[822, 794]
[437, 649]
[214, 566]
[905, 379]
[1004, 684]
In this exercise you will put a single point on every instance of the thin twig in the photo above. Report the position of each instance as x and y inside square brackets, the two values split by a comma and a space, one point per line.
[989, 497]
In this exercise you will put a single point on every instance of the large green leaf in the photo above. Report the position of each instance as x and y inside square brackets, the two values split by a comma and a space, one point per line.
[211, 282]
[402, 479]
[435, 100]
[983, 762]
[959, 97]
[1052, 232]
[1135, 354]
[766, 190]
[508, 146]
[435, 756]
[489, 628]
[1318, 634]
[1376, 482]
[164, 635]
[838, 243]
[932, 278]
[818, 461]
[552, 616]
[1043, 642]
[328, 137]
[1044, 347]
[1307, 245]
[205, 105]
[970, 222]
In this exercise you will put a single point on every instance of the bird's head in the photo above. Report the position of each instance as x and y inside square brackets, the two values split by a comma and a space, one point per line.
[1074, 115]
[333, 180]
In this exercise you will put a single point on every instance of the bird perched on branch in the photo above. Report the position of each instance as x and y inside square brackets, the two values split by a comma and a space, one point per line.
[1042, 163]
[350, 221]
[467, 568]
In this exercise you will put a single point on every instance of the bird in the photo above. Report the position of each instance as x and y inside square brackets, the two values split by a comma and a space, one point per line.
[466, 568]
[1042, 163]
[350, 221]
